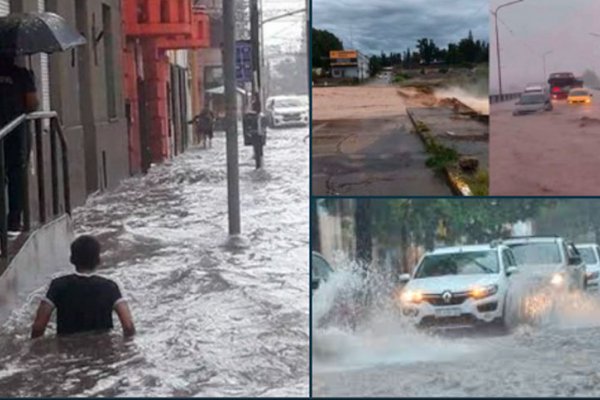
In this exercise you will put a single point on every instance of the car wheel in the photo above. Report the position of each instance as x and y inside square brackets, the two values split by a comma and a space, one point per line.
[510, 313]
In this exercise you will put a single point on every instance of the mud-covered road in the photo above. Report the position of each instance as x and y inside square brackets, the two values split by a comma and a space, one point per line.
[212, 320]
[363, 144]
[547, 154]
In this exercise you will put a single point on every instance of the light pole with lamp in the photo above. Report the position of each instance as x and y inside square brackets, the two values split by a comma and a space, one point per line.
[495, 14]
[544, 58]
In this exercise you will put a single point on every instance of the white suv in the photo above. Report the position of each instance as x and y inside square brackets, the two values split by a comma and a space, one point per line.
[549, 261]
[459, 287]
[590, 253]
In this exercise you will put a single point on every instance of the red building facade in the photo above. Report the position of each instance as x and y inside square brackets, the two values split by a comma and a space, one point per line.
[152, 27]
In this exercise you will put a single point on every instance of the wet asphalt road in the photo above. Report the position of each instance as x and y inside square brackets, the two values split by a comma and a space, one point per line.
[212, 320]
[387, 358]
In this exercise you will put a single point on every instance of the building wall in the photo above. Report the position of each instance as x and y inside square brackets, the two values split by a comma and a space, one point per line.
[80, 98]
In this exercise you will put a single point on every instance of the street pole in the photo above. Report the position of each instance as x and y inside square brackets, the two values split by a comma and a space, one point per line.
[495, 13]
[308, 49]
[233, 173]
[498, 52]
[544, 57]
[255, 39]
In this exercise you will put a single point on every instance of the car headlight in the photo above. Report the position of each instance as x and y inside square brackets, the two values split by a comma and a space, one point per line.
[411, 296]
[479, 292]
[557, 279]
[592, 275]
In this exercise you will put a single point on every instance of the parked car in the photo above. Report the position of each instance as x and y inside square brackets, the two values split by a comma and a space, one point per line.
[579, 96]
[339, 305]
[533, 102]
[590, 253]
[549, 262]
[286, 111]
[458, 287]
[320, 270]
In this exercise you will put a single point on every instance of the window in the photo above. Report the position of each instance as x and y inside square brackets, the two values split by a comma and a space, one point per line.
[536, 253]
[507, 259]
[469, 263]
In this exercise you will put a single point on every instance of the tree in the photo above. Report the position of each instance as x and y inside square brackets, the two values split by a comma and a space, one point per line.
[590, 79]
[315, 232]
[323, 42]
[427, 50]
[364, 243]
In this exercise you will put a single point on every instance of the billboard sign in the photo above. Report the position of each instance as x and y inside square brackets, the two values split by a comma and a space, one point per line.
[243, 62]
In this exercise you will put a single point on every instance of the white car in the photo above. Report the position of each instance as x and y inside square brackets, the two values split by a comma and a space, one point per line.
[287, 111]
[549, 262]
[459, 287]
[590, 253]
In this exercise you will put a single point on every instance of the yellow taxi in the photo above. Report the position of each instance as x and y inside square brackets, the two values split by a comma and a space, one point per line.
[579, 96]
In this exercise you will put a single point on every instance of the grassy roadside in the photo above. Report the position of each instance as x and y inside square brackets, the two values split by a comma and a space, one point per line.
[445, 160]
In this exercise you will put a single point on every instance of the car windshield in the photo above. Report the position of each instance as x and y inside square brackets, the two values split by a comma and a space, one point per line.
[588, 255]
[469, 263]
[536, 253]
[288, 103]
[532, 99]
[320, 268]
[579, 93]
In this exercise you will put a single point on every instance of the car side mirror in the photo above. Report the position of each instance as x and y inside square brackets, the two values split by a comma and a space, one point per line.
[314, 285]
[403, 278]
[511, 270]
[574, 260]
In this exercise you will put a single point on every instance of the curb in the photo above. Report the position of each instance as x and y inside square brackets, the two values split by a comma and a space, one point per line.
[458, 186]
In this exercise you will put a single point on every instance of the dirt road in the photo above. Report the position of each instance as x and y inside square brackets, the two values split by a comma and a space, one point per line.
[363, 144]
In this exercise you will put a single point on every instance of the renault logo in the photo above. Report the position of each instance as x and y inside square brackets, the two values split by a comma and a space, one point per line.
[447, 296]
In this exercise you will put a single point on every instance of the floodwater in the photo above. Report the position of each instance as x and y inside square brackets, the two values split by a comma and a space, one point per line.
[546, 154]
[212, 319]
[384, 356]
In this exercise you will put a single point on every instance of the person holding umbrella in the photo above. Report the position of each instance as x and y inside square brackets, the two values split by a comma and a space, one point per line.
[24, 35]
[17, 96]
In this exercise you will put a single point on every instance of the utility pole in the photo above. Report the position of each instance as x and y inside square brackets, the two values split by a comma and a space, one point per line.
[495, 13]
[308, 50]
[231, 117]
[544, 58]
[255, 39]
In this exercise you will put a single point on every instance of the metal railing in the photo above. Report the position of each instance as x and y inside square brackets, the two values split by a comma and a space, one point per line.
[56, 138]
[497, 98]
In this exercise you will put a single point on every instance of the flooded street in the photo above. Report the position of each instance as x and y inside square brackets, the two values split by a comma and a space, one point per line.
[541, 154]
[212, 320]
[386, 357]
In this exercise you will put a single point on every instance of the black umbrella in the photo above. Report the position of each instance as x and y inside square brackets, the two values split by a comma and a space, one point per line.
[32, 33]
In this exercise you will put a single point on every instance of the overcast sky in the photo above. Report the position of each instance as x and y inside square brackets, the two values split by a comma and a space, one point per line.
[372, 26]
[533, 27]
[289, 30]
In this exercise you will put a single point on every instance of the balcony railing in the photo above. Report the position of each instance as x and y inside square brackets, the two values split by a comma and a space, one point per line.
[57, 139]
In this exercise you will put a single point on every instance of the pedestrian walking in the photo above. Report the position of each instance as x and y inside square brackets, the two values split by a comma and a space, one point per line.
[83, 300]
[204, 126]
[17, 96]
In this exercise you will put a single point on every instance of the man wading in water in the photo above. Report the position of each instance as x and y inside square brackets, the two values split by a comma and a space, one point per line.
[83, 301]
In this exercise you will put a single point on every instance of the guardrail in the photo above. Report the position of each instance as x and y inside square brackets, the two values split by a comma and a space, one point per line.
[56, 137]
[497, 98]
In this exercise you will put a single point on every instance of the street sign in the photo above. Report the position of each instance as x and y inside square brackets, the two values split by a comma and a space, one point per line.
[243, 62]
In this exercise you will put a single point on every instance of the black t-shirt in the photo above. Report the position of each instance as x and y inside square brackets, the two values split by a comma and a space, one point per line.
[83, 302]
[14, 83]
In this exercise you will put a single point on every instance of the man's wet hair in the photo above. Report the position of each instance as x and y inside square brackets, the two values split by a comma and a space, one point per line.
[85, 253]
